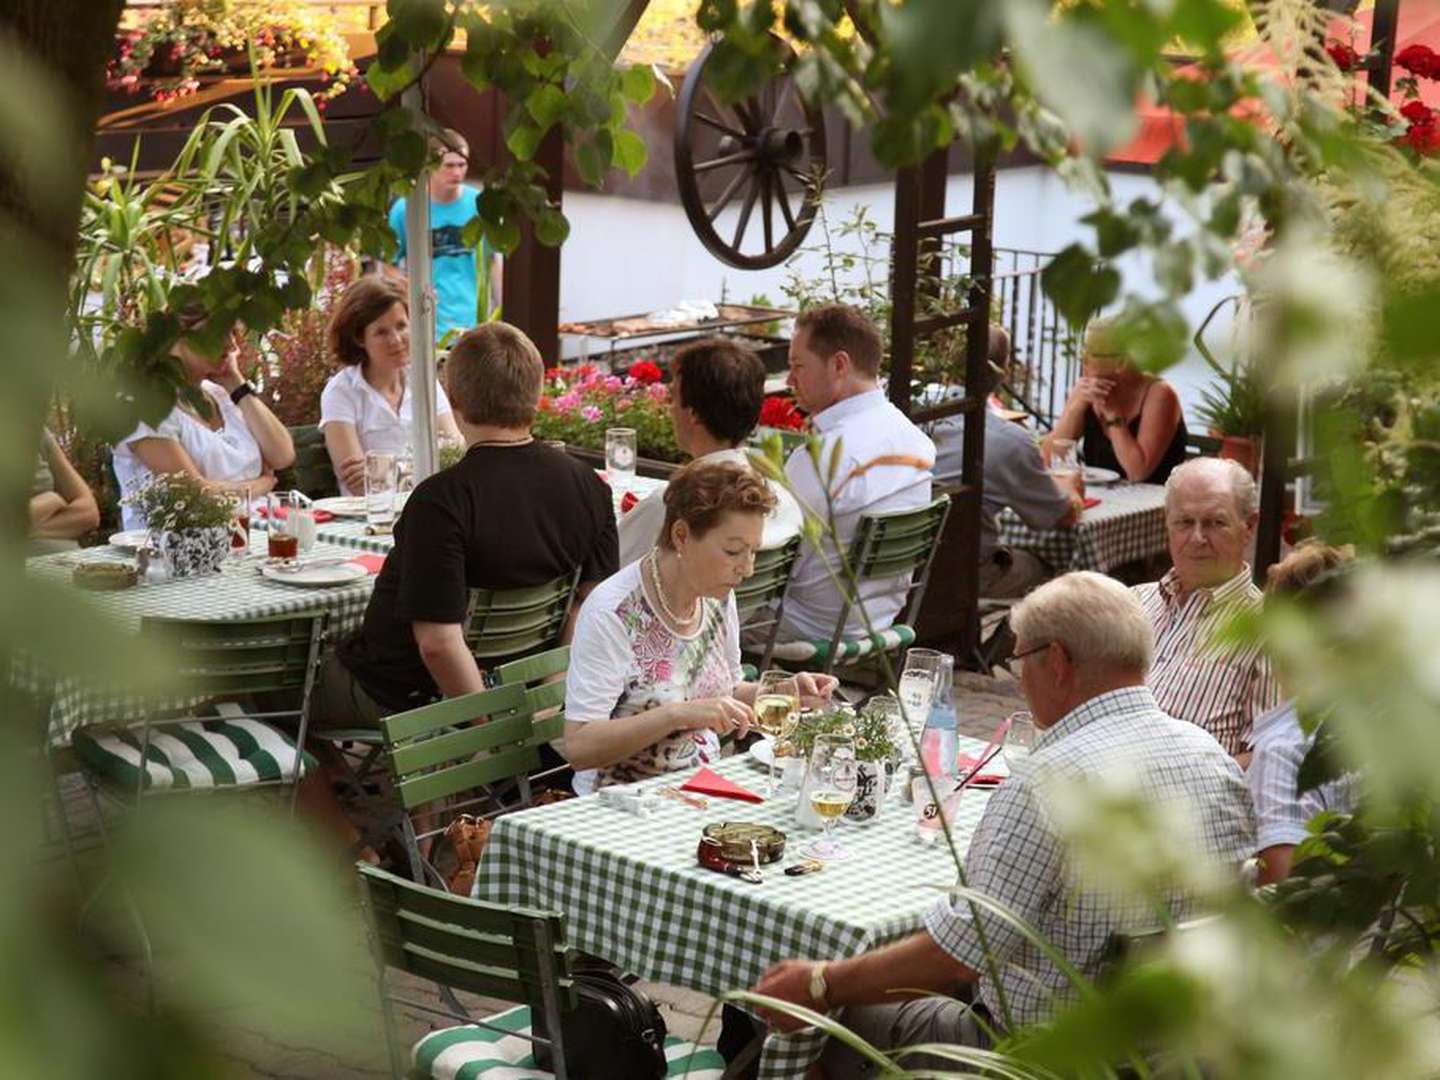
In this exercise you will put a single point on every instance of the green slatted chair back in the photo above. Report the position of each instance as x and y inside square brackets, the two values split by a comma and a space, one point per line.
[512, 953]
[312, 471]
[503, 624]
[226, 659]
[543, 690]
[454, 746]
[760, 598]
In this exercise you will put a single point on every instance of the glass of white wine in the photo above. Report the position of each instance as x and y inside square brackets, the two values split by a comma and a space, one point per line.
[831, 788]
[777, 708]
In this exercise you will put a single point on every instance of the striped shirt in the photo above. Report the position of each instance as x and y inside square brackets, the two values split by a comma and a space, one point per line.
[1018, 857]
[1221, 688]
[1281, 811]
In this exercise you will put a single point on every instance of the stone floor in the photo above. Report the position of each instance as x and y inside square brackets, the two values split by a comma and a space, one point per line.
[980, 703]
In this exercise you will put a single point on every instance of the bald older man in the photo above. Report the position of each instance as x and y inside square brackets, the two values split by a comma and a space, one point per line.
[1084, 645]
[1210, 514]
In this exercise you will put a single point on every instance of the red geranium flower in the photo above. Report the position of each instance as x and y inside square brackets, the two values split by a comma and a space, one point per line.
[645, 372]
[1346, 58]
[1424, 139]
[1418, 113]
[780, 412]
[1420, 60]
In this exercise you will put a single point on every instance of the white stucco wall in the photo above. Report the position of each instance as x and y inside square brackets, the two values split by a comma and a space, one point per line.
[626, 256]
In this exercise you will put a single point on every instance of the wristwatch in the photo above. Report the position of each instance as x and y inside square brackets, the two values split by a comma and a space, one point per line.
[818, 987]
[241, 392]
[1114, 421]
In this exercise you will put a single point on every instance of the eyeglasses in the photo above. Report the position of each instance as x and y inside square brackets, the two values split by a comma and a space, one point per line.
[1030, 651]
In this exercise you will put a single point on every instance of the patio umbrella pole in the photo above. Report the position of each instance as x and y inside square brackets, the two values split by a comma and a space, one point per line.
[422, 314]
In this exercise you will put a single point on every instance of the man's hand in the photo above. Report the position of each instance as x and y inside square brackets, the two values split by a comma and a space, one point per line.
[788, 980]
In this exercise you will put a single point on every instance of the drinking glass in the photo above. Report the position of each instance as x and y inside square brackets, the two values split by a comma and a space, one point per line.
[382, 477]
[831, 788]
[887, 707]
[777, 707]
[620, 457]
[919, 681]
[1019, 739]
[1067, 466]
[404, 476]
[289, 524]
[239, 503]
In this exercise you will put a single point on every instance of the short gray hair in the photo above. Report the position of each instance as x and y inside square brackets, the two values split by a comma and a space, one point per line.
[1242, 484]
[1100, 622]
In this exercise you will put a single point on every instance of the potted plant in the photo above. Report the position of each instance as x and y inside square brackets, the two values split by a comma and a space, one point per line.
[875, 755]
[1234, 409]
[189, 523]
[578, 404]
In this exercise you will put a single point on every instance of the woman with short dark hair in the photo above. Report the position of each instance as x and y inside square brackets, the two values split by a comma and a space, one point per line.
[654, 677]
[366, 406]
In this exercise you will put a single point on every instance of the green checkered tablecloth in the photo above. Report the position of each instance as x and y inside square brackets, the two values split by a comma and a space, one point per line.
[351, 532]
[238, 592]
[1128, 525]
[631, 890]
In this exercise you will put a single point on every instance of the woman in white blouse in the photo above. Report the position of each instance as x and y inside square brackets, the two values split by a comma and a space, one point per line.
[238, 446]
[366, 405]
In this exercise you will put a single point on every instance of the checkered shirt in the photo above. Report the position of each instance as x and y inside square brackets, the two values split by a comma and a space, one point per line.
[1280, 810]
[1222, 689]
[1127, 526]
[1017, 856]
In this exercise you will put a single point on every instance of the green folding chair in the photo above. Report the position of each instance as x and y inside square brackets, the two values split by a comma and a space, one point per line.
[541, 675]
[312, 471]
[507, 624]
[886, 546]
[760, 601]
[512, 953]
[453, 753]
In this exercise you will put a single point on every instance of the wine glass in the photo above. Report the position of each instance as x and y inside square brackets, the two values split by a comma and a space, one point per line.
[833, 776]
[1019, 738]
[918, 682]
[777, 707]
[239, 504]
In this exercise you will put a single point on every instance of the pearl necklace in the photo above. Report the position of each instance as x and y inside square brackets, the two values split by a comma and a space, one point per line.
[660, 593]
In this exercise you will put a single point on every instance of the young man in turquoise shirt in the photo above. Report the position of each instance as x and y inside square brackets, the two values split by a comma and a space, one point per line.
[459, 284]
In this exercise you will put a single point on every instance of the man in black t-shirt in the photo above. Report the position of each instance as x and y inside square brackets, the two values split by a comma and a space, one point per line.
[511, 513]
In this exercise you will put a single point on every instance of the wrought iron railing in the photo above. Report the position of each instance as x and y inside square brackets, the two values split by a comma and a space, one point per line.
[1044, 351]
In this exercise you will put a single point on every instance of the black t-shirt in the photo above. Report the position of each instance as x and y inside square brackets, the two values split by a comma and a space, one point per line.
[504, 517]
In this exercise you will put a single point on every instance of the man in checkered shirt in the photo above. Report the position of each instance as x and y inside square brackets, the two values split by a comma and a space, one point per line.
[1084, 644]
[1210, 513]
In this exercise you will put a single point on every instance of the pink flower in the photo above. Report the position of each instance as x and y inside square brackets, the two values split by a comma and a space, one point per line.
[613, 383]
[658, 392]
[591, 413]
[568, 402]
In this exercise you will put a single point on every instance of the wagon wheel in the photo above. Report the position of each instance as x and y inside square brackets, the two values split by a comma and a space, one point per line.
[764, 155]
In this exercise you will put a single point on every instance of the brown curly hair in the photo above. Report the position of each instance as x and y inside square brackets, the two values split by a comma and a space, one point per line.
[360, 305]
[703, 492]
[1311, 561]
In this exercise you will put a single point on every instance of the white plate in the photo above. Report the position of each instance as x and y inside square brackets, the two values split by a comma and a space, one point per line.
[315, 577]
[1098, 477]
[130, 540]
[763, 751]
[343, 505]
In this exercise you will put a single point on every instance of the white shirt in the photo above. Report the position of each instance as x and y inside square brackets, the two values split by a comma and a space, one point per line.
[1281, 812]
[228, 454]
[640, 526]
[625, 660]
[380, 427]
[869, 427]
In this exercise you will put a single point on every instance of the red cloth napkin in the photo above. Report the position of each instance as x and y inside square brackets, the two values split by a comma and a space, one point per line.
[371, 563]
[628, 502]
[321, 516]
[709, 782]
[1089, 503]
[964, 763]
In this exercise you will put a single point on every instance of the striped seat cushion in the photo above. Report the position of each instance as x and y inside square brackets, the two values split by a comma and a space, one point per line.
[851, 650]
[228, 751]
[470, 1052]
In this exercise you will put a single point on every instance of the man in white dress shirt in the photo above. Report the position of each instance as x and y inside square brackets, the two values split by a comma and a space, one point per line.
[717, 386]
[834, 373]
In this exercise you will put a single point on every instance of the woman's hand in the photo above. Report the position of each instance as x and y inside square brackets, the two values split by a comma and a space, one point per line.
[261, 485]
[721, 715]
[352, 474]
[815, 689]
[227, 371]
[1095, 392]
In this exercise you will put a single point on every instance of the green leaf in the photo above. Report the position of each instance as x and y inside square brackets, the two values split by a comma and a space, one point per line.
[587, 163]
[419, 23]
[523, 141]
[630, 152]
[637, 84]
[551, 228]
[408, 152]
[1078, 284]
[504, 235]
[546, 105]
[1114, 233]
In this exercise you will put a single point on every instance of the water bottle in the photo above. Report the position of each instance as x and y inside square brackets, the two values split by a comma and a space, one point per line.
[938, 743]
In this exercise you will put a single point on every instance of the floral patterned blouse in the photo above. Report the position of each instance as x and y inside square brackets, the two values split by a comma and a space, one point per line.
[625, 660]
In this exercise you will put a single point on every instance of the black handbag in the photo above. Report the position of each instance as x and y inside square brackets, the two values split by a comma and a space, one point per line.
[615, 1032]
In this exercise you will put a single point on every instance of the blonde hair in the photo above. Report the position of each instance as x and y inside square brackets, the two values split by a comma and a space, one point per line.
[1100, 622]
